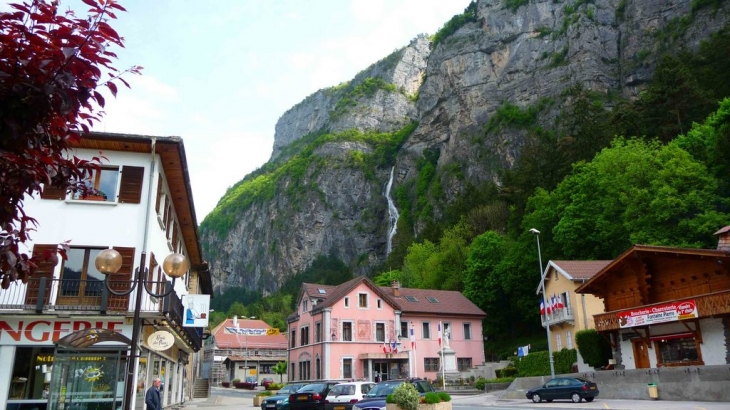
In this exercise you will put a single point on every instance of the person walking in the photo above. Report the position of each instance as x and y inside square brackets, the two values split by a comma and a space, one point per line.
[152, 397]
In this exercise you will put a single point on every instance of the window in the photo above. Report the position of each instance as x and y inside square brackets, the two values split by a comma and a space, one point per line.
[293, 369]
[305, 368]
[403, 329]
[33, 364]
[304, 306]
[431, 364]
[467, 331]
[80, 280]
[347, 368]
[463, 363]
[569, 339]
[432, 299]
[678, 351]
[559, 341]
[362, 299]
[411, 298]
[304, 336]
[426, 331]
[380, 332]
[104, 181]
[317, 332]
[293, 340]
[318, 368]
[107, 180]
[379, 303]
[347, 331]
[347, 301]
[566, 300]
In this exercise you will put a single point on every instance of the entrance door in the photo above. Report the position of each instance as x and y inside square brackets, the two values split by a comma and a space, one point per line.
[641, 354]
[87, 380]
[380, 371]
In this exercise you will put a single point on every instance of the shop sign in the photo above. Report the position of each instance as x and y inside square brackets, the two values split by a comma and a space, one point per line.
[30, 331]
[160, 340]
[666, 312]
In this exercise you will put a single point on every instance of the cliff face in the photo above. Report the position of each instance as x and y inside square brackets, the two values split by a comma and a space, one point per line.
[517, 56]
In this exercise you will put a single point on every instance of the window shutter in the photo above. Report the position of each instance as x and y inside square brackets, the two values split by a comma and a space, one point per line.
[45, 270]
[130, 191]
[159, 194]
[122, 281]
[52, 192]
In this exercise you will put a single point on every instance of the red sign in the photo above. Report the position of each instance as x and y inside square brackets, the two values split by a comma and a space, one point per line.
[666, 312]
[21, 331]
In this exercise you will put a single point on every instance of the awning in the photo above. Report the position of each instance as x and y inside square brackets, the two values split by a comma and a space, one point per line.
[685, 335]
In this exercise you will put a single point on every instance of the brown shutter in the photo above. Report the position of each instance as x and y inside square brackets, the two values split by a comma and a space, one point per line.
[130, 191]
[159, 193]
[45, 270]
[122, 281]
[52, 192]
[175, 229]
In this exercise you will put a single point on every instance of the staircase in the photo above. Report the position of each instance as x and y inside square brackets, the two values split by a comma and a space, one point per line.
[201, 389]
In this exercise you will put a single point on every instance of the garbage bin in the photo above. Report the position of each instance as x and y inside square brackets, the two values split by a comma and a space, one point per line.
[653, 392]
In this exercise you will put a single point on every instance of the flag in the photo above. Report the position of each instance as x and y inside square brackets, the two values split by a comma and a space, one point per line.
[385, 346]
[439, 328]
[542, 306]
[413, 339]
[394, 347]
[560, 302]
[548, 306]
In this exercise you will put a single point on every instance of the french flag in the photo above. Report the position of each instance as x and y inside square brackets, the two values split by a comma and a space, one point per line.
[394, 347]
[413, 339]
[542, 306]
[385, 347]
[439, 328]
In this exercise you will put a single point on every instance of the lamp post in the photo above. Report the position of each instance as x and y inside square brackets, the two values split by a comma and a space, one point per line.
[245, 360]
[108, 262]
[547, 318]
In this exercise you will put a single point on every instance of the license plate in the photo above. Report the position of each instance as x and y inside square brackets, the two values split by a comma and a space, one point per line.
[593, 387]
[339, 407]
[271, 406]
[302, 398]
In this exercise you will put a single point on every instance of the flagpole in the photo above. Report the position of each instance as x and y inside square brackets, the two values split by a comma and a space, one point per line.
[443, 362]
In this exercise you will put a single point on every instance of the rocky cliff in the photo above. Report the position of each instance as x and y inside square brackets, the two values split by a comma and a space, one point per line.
[328, 197]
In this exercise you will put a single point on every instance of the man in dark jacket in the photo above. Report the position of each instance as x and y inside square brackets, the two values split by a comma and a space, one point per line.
[152, 397]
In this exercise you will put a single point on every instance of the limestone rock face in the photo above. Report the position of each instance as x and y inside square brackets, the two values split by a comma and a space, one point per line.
[518, 56]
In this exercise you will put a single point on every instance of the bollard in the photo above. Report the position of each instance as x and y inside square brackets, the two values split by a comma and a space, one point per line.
[653, 391]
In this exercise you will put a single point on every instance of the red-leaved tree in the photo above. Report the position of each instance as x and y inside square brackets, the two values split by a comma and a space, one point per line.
[51, 65]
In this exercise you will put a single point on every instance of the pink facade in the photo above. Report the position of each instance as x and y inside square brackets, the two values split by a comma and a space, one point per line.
[361, 331]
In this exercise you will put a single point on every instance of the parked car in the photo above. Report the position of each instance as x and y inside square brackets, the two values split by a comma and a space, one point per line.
[568, 388]
[310, 397]
[280, 401]
[375, 398]
[266, 381]
[252, 379]
[343, 395]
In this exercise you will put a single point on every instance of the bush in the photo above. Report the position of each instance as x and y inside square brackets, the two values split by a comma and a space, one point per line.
[594, 349]
[275, 386]
[444, 396]
[538, 363]
[234, 381]
[265, 393]
[431, 398]
[508, 371]
[406, 396]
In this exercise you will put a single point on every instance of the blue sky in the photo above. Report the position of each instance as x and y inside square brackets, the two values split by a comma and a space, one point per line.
[220, 73]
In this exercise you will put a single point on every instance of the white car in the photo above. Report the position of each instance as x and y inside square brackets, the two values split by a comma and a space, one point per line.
[343, 395]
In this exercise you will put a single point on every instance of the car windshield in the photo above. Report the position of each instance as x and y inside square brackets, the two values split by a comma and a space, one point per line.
[313, 387]
[290, 388]
[383, 389]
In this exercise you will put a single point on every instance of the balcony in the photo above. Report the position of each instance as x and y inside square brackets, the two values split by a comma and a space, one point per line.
[559, 316]
[43, 295]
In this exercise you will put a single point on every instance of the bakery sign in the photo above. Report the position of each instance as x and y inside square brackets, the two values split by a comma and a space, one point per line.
[666, 312]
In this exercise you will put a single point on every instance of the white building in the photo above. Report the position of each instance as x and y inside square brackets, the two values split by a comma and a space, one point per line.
[64, 338]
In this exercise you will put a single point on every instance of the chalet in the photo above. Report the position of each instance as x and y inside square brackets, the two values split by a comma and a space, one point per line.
[666, 306]
[362, 331]
[51, 327]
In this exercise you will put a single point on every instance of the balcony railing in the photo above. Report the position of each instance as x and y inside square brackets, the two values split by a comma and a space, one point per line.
[74, 295]
[559, 316]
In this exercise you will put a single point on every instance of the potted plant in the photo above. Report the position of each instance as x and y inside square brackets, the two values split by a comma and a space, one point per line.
[259, 398]
[406, 397]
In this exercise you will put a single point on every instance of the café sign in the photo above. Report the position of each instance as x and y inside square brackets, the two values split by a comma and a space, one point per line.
[160, 340]
[665, 312]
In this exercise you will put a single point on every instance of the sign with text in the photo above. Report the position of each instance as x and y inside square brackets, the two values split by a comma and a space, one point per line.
[160, 340]
[22, 331]
[666, 312]
[197, 310]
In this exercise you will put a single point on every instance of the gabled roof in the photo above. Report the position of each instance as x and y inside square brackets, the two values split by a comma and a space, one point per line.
[577, 271]
[409, 301]
[225, 339]
[642, 251]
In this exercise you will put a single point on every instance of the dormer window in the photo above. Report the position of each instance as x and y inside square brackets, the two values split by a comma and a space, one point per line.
[304, 306]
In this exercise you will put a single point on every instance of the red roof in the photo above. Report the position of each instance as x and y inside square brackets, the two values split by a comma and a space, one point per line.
[579, 270]
[226, 337]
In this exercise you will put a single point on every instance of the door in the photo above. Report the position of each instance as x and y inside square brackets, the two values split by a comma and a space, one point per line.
[87, 379]
[641, 354]
[81, 283]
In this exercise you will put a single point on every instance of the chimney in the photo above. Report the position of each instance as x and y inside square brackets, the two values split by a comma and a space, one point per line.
[723, 243]
[395, 285]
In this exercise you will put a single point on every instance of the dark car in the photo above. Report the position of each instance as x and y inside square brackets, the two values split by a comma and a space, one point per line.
[375, 399]
[310, 397]
[568, 388]
[280, 401]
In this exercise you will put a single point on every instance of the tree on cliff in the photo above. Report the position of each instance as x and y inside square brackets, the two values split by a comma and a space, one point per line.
[51, 65]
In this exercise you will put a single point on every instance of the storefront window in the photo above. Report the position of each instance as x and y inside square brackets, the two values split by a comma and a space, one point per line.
[31, 376]
[92, 380]
[678, 351]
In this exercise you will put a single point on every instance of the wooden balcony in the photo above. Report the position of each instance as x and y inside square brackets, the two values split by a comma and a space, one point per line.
[559, 316]
[43, 295]
[717, 303]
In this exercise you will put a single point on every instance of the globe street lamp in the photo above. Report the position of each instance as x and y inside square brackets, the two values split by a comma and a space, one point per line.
[544, 296]
[108, 262]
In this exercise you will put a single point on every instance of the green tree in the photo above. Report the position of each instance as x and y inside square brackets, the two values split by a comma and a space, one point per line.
[280, 369]
[482, 281]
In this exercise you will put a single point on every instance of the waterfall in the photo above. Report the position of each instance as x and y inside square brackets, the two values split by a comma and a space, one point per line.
[392, 214]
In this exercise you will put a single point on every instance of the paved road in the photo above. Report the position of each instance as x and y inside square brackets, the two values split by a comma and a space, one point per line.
[227, 398]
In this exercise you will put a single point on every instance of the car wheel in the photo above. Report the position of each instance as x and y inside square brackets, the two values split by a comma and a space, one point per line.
[536, 398]
[575, 397]
[589, 399]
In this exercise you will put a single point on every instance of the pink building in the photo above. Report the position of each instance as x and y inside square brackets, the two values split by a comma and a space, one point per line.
[362, 331]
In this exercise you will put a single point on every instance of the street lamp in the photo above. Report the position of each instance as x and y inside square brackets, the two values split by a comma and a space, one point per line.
[544, 296]
[108, 262]
[245, 360]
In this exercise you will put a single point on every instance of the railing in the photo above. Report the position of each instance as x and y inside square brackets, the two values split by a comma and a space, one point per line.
[707, 305]
[43, 295]
[559, 316]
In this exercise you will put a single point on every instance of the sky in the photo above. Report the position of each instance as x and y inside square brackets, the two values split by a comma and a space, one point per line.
[219, 74]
